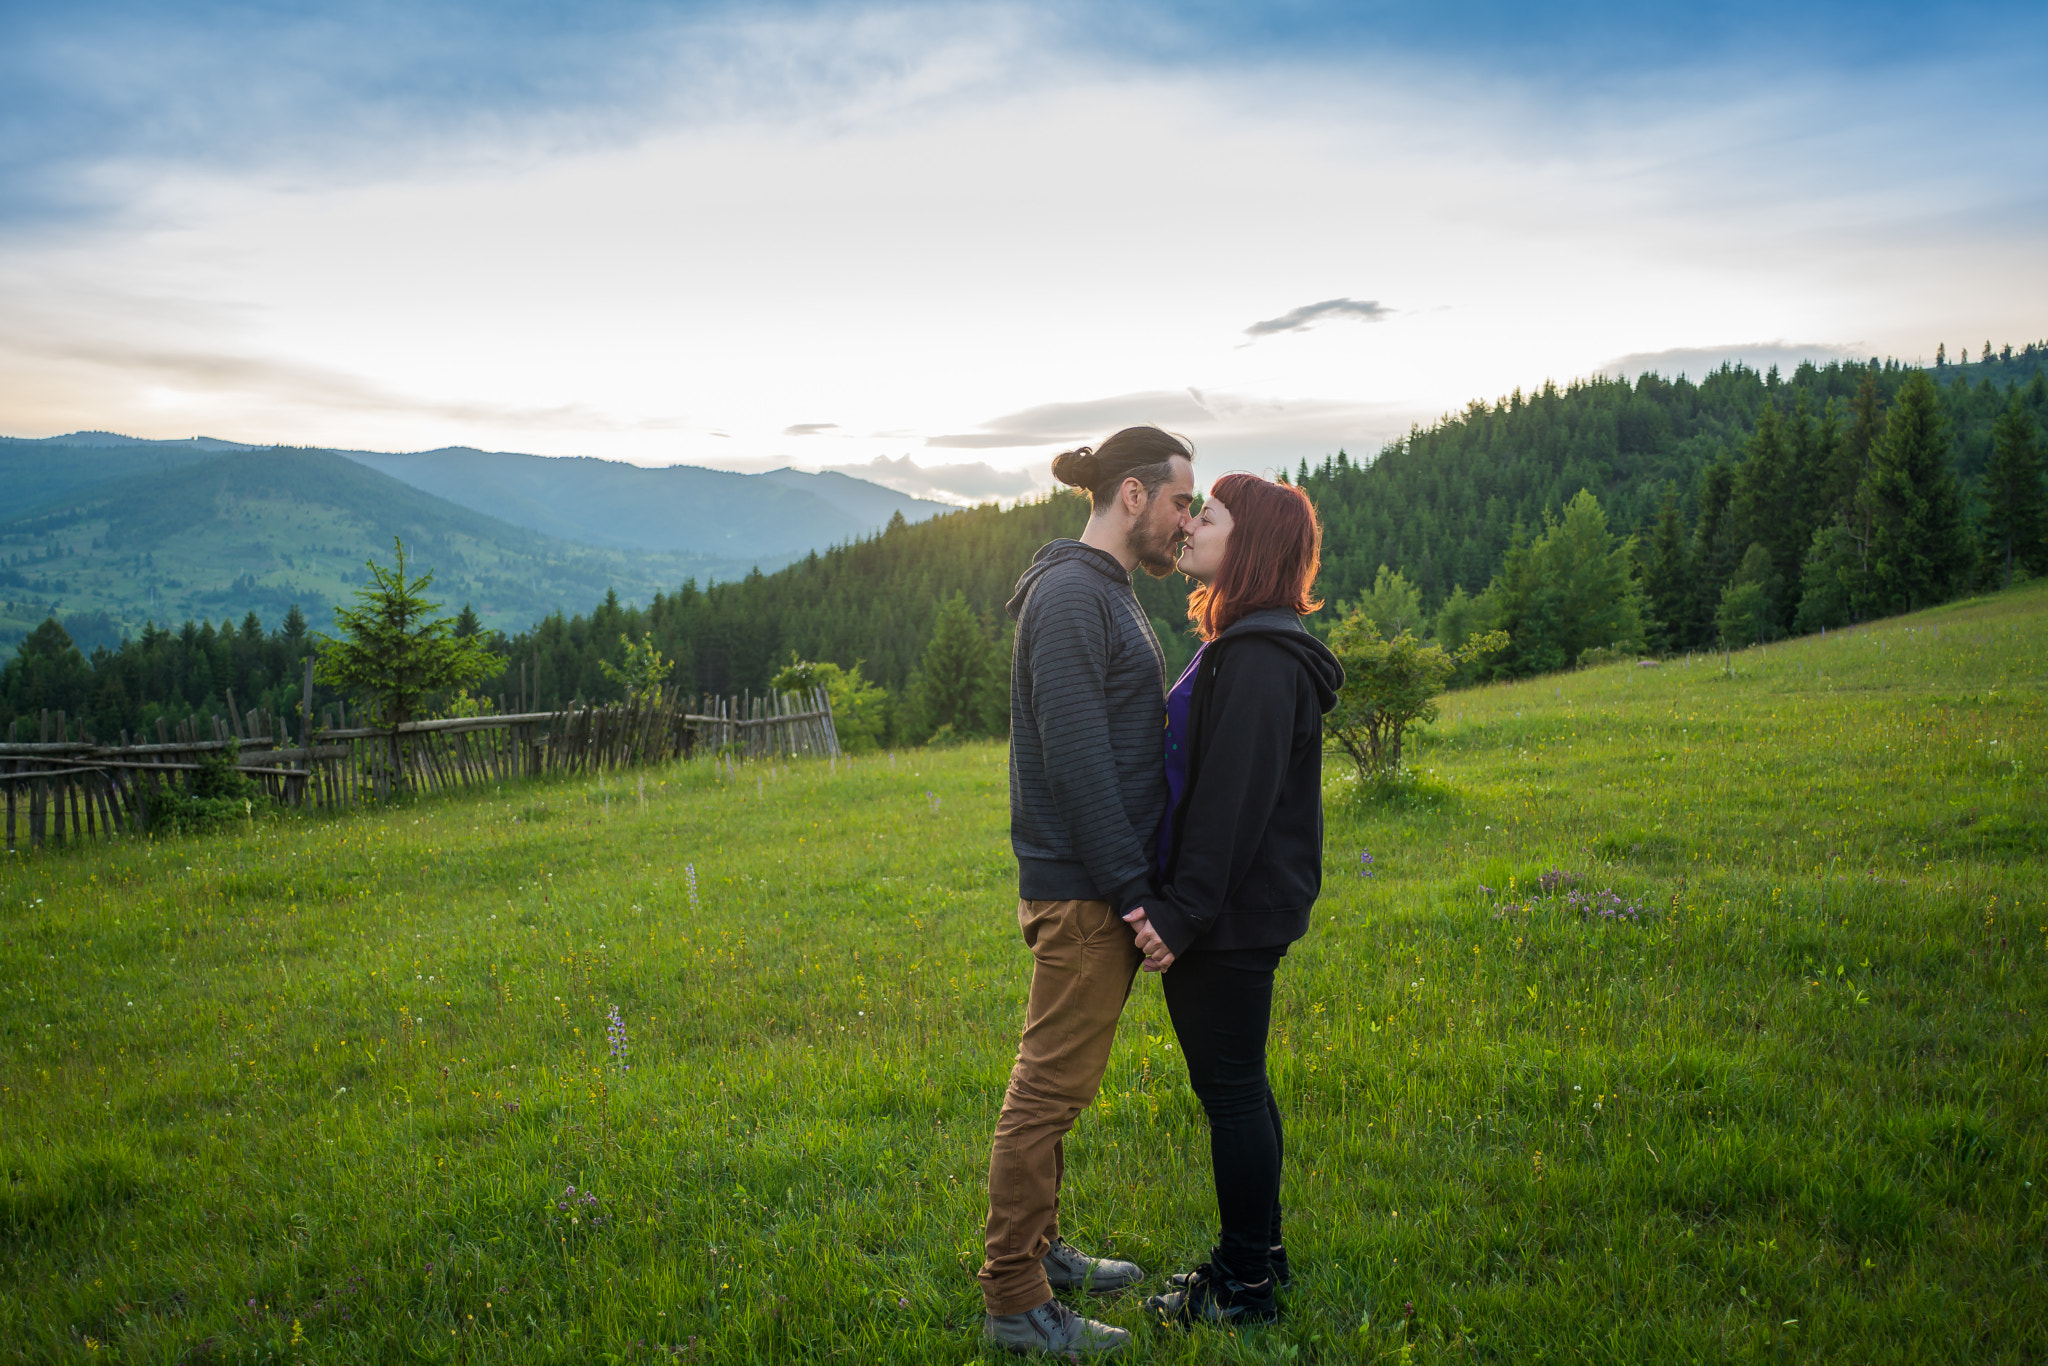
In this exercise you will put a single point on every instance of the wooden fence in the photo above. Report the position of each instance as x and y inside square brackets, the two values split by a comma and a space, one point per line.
[63, 789]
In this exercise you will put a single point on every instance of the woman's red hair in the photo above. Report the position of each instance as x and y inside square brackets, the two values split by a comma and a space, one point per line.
[1271, 559]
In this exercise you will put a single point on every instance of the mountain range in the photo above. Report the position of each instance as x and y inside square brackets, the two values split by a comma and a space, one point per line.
[107, 532]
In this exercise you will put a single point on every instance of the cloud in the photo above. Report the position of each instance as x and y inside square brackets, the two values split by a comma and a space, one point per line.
[1052, 423]
[91, 95]
[810, 428]
[319, 387]
[1229, 430]
[1700, 361]
[1301, 319]
[967, 483]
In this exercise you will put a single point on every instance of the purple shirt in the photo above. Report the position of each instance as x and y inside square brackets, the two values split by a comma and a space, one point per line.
[1176, 753]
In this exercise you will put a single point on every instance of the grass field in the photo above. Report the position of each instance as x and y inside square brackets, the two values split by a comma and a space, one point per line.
[319, 1092]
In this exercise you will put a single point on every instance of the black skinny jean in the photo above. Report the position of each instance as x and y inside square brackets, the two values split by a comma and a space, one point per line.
[1221, 1002]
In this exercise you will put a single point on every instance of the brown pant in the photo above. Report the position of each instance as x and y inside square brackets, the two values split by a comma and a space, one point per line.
[1083, 962]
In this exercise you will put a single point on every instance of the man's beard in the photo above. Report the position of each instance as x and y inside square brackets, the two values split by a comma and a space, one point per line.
[1157, 548]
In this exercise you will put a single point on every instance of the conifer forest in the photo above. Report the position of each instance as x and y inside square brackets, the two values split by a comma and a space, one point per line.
[1602, 517]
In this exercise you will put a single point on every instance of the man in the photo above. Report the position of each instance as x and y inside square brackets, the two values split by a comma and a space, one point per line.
[1087, 790]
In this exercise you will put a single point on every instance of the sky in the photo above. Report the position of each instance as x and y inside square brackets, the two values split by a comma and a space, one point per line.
[936, 243]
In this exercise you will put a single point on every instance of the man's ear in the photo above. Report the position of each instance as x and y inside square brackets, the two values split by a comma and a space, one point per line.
[1132, 495]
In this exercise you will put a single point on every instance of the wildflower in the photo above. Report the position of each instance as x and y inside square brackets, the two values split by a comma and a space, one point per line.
[1365, 868]
[615, 1033]
[690, 876]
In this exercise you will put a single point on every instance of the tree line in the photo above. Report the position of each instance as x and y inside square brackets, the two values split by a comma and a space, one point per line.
[1603, 516]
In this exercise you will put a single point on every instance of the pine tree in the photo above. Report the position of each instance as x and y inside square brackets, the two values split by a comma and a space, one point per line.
[395, 653]
[1830, 580]
[950, 692]
[1832, 477]
[1568, 591]
[1393, 605]
[1748, 611]
[1768, 504]
[1919, 549]
[1667, 575]
[1714, 553]
[2016, 512]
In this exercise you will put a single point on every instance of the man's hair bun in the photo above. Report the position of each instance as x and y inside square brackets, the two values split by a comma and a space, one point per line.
[1079, 467]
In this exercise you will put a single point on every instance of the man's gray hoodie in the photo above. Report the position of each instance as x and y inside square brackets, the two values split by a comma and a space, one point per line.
[1087, 705]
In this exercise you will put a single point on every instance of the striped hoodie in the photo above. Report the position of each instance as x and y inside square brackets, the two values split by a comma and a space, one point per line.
[1087, 704]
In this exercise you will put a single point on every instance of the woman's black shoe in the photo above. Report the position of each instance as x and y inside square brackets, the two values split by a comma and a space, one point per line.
[1277, 1259]
[1208, 1294]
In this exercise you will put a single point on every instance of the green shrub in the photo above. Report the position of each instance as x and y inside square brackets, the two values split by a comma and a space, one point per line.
[217, 796]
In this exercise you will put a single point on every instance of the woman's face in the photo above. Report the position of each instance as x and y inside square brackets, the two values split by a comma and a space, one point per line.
[1202, 555]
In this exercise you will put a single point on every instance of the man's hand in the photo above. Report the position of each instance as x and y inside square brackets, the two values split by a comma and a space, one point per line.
[1158, 958]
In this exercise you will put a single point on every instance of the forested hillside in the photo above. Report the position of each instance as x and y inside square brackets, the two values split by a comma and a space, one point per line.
[220, 536]
[1605, 515]
[1442, 504]
[873, 603]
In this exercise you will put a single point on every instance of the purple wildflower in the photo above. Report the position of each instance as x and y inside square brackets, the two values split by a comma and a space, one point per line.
[615, 1034]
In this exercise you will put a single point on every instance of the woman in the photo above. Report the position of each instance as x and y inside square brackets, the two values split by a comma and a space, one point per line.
[1241, 857]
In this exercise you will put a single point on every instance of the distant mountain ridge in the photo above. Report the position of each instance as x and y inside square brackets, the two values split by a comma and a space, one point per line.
[689, 509]
[107, 532]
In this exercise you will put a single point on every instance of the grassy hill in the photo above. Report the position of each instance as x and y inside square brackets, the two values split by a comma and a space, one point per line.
[320, 1091]
[260, 530]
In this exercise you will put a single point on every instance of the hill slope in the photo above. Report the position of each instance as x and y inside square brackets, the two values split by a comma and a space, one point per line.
[261, 530]
[1794, 1109]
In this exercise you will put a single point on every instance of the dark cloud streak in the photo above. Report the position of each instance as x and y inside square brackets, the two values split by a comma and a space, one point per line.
[1305, 317]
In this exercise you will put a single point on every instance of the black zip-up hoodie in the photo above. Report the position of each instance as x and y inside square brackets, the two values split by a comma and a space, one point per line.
[1244, 856]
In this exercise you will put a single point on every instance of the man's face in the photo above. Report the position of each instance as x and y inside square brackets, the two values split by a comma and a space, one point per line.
[1157, 535]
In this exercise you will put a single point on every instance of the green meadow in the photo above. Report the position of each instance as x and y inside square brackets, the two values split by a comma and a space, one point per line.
[1679, 1014]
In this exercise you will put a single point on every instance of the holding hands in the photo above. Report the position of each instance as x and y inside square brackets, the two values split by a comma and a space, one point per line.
[1158, 958]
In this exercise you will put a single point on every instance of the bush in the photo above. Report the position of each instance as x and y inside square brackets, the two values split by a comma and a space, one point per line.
[860, 709]
[218, 795]
[1390, 685]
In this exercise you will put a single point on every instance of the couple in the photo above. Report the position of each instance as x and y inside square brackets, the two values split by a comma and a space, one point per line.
[1197, 859]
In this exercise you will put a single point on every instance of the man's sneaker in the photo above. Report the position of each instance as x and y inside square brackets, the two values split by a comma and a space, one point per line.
[1277, 1259]
[1069, 1268]
[1052, 1327]
[1211, 1295]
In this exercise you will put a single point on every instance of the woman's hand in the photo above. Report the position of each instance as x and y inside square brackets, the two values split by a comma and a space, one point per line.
[1158, 958]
